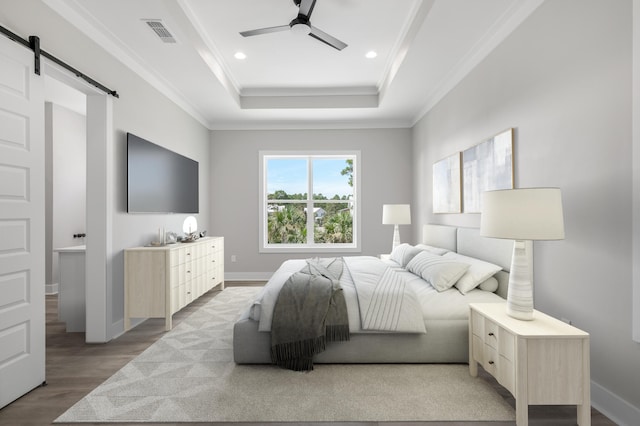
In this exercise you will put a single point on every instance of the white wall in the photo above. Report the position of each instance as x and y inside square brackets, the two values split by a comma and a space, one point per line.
[385, 178]
[563, 81]
[141, 110]
[69, 163]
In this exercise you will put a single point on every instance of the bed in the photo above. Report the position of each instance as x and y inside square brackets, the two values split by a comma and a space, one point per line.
[445, 313]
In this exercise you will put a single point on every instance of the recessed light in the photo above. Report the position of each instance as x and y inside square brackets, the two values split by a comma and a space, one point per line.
[371, 54]
[240, 55]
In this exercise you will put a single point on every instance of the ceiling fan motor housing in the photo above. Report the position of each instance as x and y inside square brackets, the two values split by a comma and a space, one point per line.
[300, 25]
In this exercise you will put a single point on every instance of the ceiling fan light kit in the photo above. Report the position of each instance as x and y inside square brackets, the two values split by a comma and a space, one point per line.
[300, 29]
[301, 25]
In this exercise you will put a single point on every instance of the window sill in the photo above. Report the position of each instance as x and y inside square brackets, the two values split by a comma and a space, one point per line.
[307, 249]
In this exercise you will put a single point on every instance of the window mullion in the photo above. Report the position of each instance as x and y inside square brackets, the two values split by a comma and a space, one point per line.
[310, 212]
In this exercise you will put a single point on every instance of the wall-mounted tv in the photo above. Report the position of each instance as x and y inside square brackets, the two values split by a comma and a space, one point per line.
[159, 180]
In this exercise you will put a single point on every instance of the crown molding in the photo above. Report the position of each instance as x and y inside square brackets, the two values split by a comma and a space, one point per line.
[312, 125]
[74, 13]
[510, 20]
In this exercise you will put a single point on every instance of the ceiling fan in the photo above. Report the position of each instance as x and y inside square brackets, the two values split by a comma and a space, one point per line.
[301, 24]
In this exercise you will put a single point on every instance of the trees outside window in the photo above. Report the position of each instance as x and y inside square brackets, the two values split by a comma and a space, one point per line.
[309, 201]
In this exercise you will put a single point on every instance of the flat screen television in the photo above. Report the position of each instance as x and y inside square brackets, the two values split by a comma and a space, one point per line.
[159, 180]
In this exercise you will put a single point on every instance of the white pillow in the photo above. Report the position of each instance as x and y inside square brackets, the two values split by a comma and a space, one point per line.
[403, 253]
[432, 249]
[490, 285]
[441, 273]
[478, 272]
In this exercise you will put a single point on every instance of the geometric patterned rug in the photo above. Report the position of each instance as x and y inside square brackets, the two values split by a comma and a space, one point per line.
[189, 375]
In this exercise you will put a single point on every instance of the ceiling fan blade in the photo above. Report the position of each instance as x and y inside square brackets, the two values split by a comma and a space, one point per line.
[326, 38]
[306, 8]
[264, 30]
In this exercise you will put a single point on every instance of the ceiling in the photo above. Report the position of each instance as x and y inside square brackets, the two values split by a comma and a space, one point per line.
[287, 80]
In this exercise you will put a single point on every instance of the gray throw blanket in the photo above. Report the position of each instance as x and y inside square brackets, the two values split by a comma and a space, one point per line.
[310, 311]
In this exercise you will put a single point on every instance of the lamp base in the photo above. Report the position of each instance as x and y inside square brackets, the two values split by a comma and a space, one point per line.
[520, 292]
[396, 237]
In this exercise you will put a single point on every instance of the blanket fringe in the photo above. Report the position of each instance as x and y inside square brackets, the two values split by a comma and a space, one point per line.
[297, 356]
[337, 333]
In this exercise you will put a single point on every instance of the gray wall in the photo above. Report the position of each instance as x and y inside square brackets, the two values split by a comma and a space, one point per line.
[385, 178]
[563, 81]
[142, 110]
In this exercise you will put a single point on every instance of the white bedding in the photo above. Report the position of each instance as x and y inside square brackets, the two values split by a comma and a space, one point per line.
[446, 305]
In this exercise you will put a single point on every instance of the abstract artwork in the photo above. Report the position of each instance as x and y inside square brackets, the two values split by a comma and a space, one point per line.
[485, 167]
[446, 185]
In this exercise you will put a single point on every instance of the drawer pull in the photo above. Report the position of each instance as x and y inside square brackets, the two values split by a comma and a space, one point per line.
[491, 334]
[491, 362]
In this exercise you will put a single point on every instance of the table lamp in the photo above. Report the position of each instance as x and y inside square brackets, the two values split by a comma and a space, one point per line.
[521, 215]
[396, 214]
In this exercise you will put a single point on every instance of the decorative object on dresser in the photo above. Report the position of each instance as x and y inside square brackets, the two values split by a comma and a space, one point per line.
[396, 214]
[522, 214]
[159, 281]
[541, 362]
[190, 229]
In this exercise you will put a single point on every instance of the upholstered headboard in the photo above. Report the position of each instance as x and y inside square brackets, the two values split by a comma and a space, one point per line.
[467, 241]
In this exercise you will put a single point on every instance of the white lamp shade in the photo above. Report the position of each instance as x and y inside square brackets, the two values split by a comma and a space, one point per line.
[522, 214]
[396, 214]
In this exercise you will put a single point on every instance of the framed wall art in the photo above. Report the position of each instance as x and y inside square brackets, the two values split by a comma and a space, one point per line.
[446, 185]
[487, 166]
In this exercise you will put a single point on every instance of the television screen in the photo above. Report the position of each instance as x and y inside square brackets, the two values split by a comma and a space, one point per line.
[159, 180]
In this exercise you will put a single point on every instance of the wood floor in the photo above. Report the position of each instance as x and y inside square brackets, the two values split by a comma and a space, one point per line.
[74, 368]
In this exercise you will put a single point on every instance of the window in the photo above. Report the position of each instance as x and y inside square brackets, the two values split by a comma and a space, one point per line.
[309, 201]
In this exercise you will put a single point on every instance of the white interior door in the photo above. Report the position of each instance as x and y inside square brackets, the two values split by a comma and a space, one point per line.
[22, 286]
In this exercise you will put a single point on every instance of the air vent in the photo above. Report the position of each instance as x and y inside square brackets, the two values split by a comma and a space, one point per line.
[161, 31]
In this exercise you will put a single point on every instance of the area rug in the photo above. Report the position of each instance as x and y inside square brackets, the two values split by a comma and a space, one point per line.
[189, 376]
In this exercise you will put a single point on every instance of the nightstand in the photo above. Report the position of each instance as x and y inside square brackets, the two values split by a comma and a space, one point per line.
[541, 362]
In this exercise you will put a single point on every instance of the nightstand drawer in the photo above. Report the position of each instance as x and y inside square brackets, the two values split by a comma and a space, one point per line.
[490, 363]
[491, 333]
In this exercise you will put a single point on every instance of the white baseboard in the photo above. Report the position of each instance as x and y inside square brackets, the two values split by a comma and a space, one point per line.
[247, 276]
[615, 408]
[51, 288]
[117, 329]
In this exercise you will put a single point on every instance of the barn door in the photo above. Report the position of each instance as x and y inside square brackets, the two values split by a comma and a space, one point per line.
[22, 310]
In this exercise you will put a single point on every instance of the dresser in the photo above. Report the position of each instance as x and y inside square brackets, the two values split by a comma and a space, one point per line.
[541, 362]
[159, 281]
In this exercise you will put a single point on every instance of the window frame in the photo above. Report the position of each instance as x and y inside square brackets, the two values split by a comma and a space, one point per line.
[309, 155]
